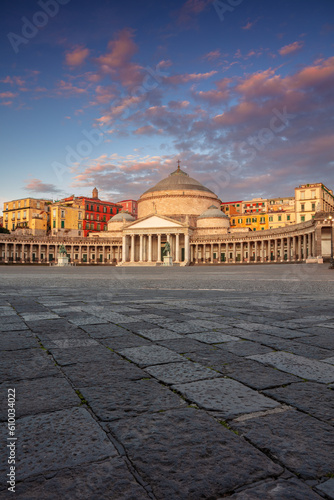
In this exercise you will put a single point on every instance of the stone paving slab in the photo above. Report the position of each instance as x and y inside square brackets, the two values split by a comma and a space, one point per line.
[106, 480]
[129, 399]
[26, 364]
[178, 373]
[327, 487]
[310, 397]
[182, 345]
[258, 376]
[212, 337]
[84, 354]
[245, 348]
[53, 441]
[302, 443]
[95, 373]
[289, 489]
[21, 340]
[122, 342]
[190, 456]
[159, 334]
[104, 331]
[53, 394]
[298, 365]
[150, 355]
[226, 397]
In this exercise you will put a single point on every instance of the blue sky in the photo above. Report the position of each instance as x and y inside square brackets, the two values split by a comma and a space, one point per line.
[111, 94]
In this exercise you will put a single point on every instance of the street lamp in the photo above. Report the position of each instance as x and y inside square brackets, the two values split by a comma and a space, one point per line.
[330, 220]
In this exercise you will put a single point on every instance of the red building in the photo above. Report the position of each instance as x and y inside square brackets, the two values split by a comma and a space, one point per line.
[130, 206]
[97, 213]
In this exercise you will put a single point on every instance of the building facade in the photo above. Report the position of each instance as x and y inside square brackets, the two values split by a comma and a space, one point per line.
[21, 213]
[181, 211]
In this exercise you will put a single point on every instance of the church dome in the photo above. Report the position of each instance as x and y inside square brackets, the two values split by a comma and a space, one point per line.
[212, 213]
[122, 216]
[178, 181]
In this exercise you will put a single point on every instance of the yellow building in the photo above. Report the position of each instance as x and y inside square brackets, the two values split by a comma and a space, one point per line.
[254, 222]
[312, 198]
[66, 219]
[21, 213]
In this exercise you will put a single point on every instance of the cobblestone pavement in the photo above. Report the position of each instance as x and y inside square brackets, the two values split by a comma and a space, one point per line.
[169, 383]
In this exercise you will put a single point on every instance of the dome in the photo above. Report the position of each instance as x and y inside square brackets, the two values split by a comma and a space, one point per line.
[178, 181]
[213, 213]
[122, 215]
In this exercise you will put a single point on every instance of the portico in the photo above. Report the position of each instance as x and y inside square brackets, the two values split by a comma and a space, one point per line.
[144, 240]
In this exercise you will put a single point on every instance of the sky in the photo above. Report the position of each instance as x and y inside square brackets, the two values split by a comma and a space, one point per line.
[112, 94]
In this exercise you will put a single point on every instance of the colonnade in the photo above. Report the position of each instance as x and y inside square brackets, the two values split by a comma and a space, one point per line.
[288, 248]
[46, 252]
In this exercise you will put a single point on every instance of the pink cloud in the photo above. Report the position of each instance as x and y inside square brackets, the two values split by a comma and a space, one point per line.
[6, 103]
[191, 9]
[185, 78]
[37, 186]
[293, 47]
[147, 130]
[213, 55]
[7, 95]
[67, 89]
[77, 56]
[117, 61]
[247, 26]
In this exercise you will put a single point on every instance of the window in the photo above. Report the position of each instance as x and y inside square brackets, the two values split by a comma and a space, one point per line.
[24, 214]
[248, 221]
[98, 208]
[313, 194]
[99, 227]
[313, 206]
[87, 207]
[254, 219]
[92, 226]
[302, 218]
[262, 220]
[62, 224]
[19, 204]
[79, 225]
[63, 214]
[54, 223]
[238, 205]
[104, 218]
[288, 217]
[105, 227]
[91, 216]
[233, 222]
[92, 208]
[271, 218]
[302, 195]
[38, 204]
[279, 218]
[104, 210]
[19, 216]
[239, 221]
[54, 213]
[302, 207]
[80, 215]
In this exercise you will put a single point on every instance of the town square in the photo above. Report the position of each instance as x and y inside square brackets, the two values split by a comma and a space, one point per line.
[167, 250]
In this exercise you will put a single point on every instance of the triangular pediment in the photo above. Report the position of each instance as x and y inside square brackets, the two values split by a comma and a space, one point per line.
[155, 222]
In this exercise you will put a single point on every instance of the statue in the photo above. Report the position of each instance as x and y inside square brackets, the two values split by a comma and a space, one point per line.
[166, 250]
[62, 250]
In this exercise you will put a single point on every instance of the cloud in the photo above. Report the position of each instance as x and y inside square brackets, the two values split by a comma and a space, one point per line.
[147, 130]
[190, 10]
[289, 49]
[247, 26]
[7, 95]
[188, 77]
[213, 55]
[117, 61]
[77, 56]
[37, 186]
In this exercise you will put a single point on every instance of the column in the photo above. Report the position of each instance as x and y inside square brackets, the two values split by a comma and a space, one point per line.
[6, 250]
[288, 243]
[80, 253]
[132, 251]
[241, 251]
[141, 248]
[177, 247]
[255, 251]
[282, 249]
[219, 252]
[150, 247]
[294, 248]
[211, 253]
[159, 248]
[124, 249]
[275, 249]
[186, 247]
[313, 245]
[299, 248]
[262, 251]
[31, 247]
[249, 251]
[234, 251]
[196, 254]
[14, 252]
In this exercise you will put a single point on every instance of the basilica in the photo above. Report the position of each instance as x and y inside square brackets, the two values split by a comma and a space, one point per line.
[181, 211]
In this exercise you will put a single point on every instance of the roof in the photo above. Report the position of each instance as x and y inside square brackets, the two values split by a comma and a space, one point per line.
[178, 181]
[122, 215]
[213, 213]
